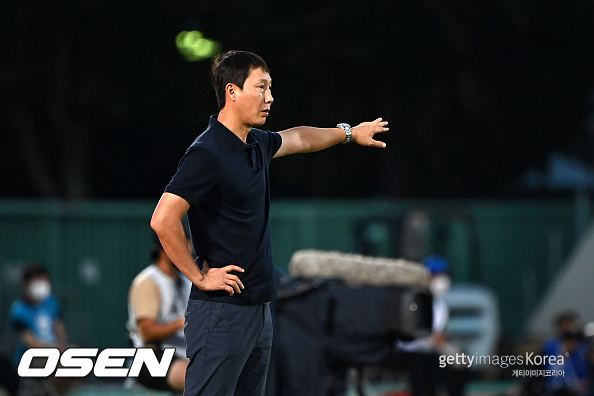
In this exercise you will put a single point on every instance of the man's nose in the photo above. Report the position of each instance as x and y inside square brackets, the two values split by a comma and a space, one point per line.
[269, 98]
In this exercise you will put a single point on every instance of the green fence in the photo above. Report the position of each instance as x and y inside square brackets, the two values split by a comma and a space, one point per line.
[94, 249]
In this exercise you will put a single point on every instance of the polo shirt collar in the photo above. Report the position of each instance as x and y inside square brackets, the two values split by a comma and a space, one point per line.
[229, 137]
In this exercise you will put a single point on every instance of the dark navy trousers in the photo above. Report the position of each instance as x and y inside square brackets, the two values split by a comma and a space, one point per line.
[229, 348]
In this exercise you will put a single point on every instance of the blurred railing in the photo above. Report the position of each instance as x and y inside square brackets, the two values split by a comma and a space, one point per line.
[94, 249]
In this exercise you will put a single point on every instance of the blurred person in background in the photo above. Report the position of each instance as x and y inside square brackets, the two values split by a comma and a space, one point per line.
[589, 337]
[9, 378]
[568, 341]
[36, 315]
[421, 356]
[157, 301]
[37, 320]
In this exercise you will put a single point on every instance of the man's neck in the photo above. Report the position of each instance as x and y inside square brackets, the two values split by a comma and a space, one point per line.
[166, 268]
[238, 128]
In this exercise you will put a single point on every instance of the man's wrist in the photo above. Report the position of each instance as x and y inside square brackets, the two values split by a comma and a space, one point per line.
[347, 130]
[198, 280]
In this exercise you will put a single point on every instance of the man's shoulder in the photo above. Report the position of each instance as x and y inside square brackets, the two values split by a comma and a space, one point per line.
[271, 141]
[204, 149]
[145, 275]
[207, 143]
[18, 308]
[260, 133]
[21, 310]
[551, 345]
[145, 283]
[204, 140]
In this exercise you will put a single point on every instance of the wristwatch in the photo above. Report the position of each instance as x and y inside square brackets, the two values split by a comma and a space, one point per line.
[347, 130]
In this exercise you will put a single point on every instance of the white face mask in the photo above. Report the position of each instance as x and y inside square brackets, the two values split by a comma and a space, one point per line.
[39, 290]
[440, 285]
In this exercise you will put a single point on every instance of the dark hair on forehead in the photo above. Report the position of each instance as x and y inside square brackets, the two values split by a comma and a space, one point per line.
[233, 67]
[156, 249]
[566, 316]
[34, 270]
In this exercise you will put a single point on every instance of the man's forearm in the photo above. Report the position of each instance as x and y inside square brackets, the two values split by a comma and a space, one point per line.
[31, 341]
[316, 139]
[174, 243]
[170, 230]
[151, 330]
[61, 334]
[305, 139]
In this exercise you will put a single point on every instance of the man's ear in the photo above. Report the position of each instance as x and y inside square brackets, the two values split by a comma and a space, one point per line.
[230, 90]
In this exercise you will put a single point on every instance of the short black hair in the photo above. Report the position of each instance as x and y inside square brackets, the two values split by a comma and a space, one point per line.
[565, 316]
[156, 248]
[233, 67]
[33, 270]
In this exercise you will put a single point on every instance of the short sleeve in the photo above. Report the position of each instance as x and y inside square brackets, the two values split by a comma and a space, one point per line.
[275, 142]
[196, 175]
[270, 141]
[145, 298]
[17, 317]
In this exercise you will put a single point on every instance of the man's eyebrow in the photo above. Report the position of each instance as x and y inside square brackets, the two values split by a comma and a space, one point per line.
[265, 80]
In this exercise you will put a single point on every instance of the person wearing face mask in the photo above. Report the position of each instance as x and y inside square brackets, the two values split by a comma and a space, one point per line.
[37, 320]
[156, 305]
[36, 315]
[421, 356]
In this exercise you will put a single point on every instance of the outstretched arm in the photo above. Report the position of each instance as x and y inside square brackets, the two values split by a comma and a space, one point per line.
[306, 139]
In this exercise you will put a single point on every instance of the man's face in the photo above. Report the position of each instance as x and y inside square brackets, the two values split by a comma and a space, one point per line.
[38, 288]
[255, 99]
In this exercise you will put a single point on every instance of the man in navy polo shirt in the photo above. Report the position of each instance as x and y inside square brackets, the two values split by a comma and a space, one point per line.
[222, 184]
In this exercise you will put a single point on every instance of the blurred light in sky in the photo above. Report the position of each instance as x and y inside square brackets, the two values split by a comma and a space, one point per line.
[195, 47]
